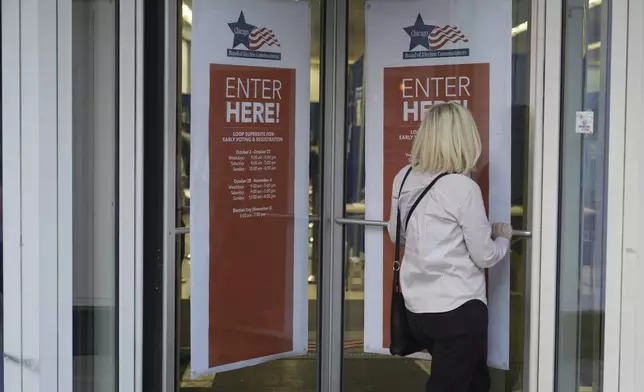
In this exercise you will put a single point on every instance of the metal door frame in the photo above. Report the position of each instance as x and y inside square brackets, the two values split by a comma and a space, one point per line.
[12, 301]
[632, 342]
[546, 275]
[615, 194]
[331, 300]
[130, 195]
[544, 83]
[37, 208]
[34, 252]
[171, 71]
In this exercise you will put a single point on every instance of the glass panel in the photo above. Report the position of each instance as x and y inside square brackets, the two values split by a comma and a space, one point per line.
[94, 89]
[583, 178]
[374, 372]
[294, 374]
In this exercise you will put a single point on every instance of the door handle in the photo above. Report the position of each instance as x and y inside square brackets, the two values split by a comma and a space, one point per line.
[521, 234]
[363, 222]
[366, 222]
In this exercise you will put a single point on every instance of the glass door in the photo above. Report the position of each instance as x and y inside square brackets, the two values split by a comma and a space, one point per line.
[357, 49]
[392, 74]
[97, 124]
[274, 273]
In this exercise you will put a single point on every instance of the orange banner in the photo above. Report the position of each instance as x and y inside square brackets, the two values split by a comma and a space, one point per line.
[251, 149]
[408, 93]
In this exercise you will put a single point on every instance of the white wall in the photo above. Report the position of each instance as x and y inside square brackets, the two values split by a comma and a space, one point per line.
[33, 243]
[632, 328]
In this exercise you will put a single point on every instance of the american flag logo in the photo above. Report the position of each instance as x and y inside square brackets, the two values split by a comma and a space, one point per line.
[260, 37]
[441, 36]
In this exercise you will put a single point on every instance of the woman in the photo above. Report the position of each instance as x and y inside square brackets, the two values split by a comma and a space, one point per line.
[448, 245]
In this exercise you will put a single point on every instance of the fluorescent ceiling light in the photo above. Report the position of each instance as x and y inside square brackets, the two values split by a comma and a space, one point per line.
[595, 45]
[594, 3]
[187, 14]
[520, 28]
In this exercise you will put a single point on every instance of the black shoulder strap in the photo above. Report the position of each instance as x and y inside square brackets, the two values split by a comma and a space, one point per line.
[427, 188]
[396, 278]
[413, 207]
[403, 181]
[397, 254]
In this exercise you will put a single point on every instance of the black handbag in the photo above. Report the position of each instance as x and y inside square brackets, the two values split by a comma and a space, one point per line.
[403, 342]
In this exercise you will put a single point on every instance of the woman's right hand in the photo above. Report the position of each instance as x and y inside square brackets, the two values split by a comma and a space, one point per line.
[502, 230]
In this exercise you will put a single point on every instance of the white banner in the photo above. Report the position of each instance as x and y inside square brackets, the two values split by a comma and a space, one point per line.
[249, 182]
[419, 53]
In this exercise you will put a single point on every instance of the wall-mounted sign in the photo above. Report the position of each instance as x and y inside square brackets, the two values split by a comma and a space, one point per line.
[585, 122]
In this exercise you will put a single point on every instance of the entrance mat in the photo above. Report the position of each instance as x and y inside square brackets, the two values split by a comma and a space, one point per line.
[299, 375]
[383, 375]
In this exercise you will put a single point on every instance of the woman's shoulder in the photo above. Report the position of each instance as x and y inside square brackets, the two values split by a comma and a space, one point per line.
[401, 174]
[455, 184]
[403, 170]
[458, 186]
[458, 178]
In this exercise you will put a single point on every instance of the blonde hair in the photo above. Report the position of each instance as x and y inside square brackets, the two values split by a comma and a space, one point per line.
[447, 141]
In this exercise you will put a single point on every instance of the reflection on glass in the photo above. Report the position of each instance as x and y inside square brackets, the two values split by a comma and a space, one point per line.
[582, 262]
[294, 374]
[367, 369]
[94, 49]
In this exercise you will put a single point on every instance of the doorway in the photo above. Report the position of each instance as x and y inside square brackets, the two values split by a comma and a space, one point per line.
[340, 227]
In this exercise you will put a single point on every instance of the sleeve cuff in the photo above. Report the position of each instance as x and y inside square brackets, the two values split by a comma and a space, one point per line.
[503, 242]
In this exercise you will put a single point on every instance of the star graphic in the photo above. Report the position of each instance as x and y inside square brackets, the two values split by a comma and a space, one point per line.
[242, 30]
[419, 33]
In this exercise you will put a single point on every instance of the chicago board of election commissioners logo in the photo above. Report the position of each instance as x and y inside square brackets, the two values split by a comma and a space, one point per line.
[252, 39]
[434, 41]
